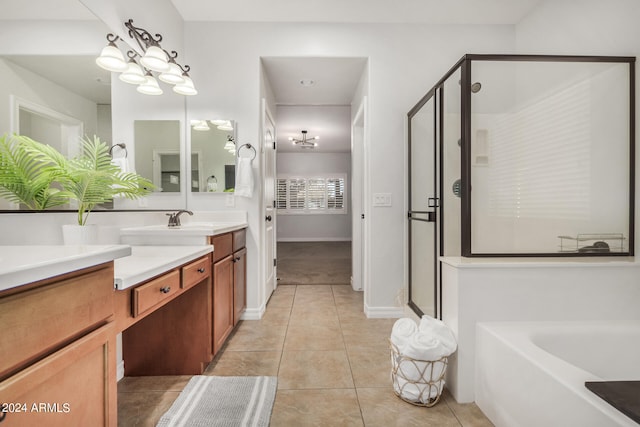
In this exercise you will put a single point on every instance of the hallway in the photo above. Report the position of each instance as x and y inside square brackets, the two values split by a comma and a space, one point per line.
[332, 365]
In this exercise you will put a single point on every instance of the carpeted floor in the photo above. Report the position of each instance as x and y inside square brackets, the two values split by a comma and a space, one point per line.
[314, 263]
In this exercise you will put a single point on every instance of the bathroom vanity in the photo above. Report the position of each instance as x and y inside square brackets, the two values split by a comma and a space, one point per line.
[57, 353]
[62, 309]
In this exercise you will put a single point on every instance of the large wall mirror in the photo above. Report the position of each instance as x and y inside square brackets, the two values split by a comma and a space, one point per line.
[213, 156]
[58, 98]
[157, 153]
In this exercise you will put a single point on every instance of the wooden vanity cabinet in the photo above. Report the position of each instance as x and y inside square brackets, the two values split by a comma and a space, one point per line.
[229, 284]
[57, 354]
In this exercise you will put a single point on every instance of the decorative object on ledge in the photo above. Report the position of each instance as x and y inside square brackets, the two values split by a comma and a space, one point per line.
[304, 142]
[153, 58]
[593, 243]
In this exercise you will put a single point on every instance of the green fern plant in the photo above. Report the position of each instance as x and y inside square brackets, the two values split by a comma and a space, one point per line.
[90, 178]
[24, 179]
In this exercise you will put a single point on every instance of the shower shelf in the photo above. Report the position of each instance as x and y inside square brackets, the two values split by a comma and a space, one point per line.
[592, 243]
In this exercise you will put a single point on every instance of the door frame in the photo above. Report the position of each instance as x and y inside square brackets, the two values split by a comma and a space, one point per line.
[359, 193]
[265, 292]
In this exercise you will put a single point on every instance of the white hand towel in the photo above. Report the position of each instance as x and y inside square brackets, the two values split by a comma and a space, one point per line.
[244, 178]
[122, 163]
[442, 332]
[402, 330]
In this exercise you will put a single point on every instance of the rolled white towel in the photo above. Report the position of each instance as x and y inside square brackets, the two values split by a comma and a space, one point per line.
[402, 331]
[425, 346]
[439, 330]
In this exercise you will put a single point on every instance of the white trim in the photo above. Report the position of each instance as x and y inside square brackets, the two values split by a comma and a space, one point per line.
[120, 370]
[383, 312]
[254, 313]
[314, 239]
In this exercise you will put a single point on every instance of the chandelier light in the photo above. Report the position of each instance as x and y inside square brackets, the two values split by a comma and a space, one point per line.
[151, 58]
[304, 142]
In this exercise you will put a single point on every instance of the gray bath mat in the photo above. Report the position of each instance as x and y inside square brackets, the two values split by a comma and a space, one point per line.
[223, 401]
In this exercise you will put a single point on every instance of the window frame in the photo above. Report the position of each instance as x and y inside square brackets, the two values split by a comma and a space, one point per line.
[310, 194]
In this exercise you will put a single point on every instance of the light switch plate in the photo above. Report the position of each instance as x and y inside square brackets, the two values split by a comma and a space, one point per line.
[382, 199]
[230, 201]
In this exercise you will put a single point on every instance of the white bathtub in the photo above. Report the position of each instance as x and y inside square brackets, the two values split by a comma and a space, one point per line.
[533, 373]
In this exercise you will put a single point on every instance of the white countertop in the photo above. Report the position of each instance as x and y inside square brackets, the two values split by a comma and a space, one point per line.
[189, 234]
[20, 265]
[146, 262]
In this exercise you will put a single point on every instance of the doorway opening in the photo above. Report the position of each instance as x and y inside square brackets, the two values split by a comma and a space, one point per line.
[318, 189]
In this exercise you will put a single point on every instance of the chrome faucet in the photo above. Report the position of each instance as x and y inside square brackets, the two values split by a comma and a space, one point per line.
[174, 218]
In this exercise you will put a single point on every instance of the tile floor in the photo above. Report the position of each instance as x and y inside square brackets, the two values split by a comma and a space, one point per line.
[332, 365]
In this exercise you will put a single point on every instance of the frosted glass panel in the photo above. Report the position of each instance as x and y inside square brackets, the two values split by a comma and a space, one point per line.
[549, 156]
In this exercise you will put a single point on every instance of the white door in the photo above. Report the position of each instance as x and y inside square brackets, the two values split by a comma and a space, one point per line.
[268, 201]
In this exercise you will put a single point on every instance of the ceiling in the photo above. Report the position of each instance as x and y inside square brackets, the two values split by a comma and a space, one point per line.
[335, 79]
[363, 11]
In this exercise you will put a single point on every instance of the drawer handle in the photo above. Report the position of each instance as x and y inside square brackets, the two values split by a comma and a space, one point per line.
[165, 289]
[201, 270]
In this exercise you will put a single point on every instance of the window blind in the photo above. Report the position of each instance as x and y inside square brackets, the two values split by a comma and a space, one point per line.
[311, 194]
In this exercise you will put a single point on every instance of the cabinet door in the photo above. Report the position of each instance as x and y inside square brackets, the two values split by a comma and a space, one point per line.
[222, 301]
[239, 284]
[75, 386]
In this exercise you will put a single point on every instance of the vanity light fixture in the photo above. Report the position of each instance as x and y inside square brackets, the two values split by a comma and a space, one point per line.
[201, 125]
[111, 59]
[152, 58]
[150, 86]
[304, 142]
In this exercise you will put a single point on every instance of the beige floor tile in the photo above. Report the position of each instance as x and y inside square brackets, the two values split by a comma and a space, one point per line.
[153, 383]
[370, 368]
[280, 301]
[351, 313]
[313, 300]
[285, 290]
[381, 407]
[276, 316]
[245, 363]
[314, 369]
[319, 336]
[314, 316]
[366, 334]
[314, 289]
[256, 336]
[468, 414]
[301, 408]
[144, 409]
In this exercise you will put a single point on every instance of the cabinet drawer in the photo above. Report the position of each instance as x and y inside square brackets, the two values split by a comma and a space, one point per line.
[222, 246]
[239, 239]
[154, 292]
[196, 272]
[43, 319]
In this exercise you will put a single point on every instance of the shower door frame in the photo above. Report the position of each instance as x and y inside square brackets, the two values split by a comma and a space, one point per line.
[466, 223]
[437, 92]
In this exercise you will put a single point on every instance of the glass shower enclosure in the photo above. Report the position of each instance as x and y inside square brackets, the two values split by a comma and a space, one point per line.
[520, 156]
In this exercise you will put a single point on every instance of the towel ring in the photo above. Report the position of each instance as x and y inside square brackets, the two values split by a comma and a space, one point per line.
[122, 146]
[249, 146]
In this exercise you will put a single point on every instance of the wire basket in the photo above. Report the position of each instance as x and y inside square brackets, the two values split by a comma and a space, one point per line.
[419, 382]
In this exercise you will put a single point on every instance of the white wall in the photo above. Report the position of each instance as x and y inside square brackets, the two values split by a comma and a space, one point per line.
[308, 227]
[404, 62]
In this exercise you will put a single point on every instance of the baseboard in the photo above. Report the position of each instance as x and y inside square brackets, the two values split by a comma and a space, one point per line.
[383, 312]
[120, 370]
[314, 239]
[253, 313]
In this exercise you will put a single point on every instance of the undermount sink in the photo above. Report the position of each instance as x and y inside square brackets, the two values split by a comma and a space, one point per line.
[190, 233]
